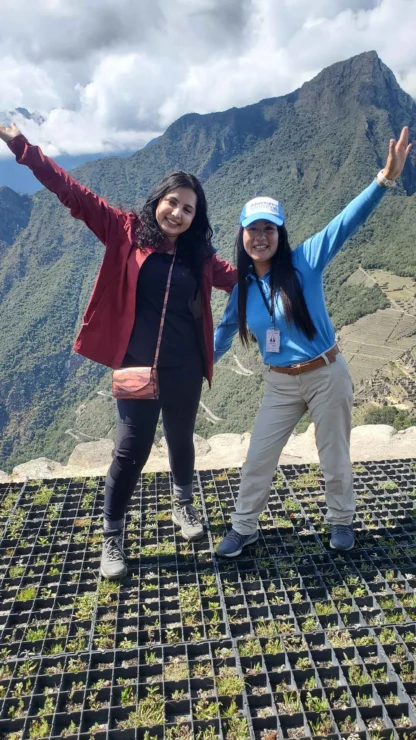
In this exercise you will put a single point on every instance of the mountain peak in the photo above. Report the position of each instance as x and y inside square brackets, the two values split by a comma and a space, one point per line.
[363, 81]
[13, 115]
[24, 112]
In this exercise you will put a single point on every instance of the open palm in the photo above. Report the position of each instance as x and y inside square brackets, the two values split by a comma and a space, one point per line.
[7, 133]
[398, 151]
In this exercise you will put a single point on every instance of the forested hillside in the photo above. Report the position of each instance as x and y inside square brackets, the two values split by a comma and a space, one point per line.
[314, 149]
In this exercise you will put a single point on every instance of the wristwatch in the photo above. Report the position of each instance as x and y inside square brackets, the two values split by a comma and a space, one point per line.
[384, 181]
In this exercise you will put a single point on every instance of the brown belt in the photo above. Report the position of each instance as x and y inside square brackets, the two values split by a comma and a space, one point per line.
[305, 367]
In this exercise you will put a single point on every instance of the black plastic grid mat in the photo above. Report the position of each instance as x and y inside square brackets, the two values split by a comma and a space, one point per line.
[290, 640]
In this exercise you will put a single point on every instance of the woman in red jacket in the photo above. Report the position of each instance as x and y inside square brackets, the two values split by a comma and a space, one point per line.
[122, 319]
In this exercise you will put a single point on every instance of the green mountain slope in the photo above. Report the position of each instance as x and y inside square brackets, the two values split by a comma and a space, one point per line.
[314, 149]
[14, 215]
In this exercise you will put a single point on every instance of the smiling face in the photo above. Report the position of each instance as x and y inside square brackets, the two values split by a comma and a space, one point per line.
[260, 241]
[175, 212]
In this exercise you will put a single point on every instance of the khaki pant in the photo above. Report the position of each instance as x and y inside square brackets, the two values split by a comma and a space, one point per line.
[328, 394]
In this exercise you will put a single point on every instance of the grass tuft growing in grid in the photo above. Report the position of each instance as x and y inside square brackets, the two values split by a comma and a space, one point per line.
[290, 640]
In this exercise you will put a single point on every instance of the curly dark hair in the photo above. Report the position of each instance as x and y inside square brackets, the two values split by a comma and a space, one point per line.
[194, 245]
[283, 280]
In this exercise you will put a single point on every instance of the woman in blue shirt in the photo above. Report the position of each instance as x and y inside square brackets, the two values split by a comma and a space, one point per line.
[279, 299]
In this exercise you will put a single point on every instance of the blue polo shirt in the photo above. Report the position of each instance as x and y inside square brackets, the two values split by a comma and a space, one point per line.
[310, 259]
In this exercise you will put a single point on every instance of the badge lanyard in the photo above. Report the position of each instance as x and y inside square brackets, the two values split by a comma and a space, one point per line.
[270, 310]
[272, 334]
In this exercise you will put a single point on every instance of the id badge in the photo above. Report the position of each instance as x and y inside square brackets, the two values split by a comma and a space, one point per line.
[273, 340]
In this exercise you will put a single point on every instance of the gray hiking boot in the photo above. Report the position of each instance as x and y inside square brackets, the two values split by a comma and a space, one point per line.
[113, 560]
[185, 516]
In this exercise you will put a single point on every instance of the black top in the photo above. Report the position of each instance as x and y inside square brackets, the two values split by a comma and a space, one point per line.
[180, 344]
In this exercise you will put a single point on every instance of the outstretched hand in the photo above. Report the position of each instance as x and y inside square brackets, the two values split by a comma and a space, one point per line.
[7, 133]
[397, 155]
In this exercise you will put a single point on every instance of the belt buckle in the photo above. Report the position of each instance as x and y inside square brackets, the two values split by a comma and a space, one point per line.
[294, 368]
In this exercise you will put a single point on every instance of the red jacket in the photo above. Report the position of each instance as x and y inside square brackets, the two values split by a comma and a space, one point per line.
[109, 317]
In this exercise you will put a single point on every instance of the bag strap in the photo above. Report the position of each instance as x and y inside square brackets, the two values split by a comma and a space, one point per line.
[162, 320]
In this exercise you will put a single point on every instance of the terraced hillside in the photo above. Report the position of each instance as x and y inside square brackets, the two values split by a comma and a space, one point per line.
[395, 383]
[376, 340]
[381, 347]
[401, 291]
[290, 640]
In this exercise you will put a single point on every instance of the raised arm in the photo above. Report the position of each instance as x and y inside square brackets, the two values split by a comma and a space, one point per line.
[320, 249]
[106, 222]
[224, 275]
[227, 328]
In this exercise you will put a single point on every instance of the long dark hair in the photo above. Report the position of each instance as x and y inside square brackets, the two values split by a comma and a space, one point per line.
[194, 245]
[283, 280]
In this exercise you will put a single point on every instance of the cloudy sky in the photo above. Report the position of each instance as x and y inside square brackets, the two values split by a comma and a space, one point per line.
[108, 75]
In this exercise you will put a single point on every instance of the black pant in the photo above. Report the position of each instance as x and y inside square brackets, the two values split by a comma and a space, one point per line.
[180, 391]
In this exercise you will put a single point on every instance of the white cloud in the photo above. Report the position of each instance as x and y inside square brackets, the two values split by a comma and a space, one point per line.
[78, 132]
[110, 74]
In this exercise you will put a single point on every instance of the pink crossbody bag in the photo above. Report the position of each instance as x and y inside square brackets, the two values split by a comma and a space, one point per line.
[141, 383]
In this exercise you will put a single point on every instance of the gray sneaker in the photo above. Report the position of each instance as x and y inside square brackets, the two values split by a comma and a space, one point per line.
[187, 518]
[113, 559]
[232, 545]
[342, 537]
